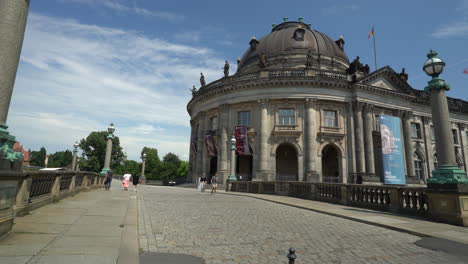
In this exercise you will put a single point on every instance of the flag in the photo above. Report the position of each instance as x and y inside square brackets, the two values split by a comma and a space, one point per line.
[371, 33]
[465, 71]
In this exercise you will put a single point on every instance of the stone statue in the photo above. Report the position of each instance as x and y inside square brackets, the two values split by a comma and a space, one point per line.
[263, 60]
[403, 75]
[226, 69]
[357, 66]
[238, 61]
[194, 91]
[309, 61]
[340, 43]
[202, 79]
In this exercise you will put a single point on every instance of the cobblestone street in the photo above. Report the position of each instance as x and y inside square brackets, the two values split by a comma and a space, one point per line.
[233, 229]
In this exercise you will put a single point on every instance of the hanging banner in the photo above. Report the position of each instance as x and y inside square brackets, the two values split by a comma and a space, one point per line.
[242, 144]
[210, 144]
[392, 150]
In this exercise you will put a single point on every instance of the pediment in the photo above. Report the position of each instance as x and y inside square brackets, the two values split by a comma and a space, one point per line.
[387, 78]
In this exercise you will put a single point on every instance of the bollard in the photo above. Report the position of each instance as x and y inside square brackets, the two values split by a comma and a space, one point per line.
[292, 256]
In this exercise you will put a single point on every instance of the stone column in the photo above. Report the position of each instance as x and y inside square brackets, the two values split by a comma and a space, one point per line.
[311, 140]
[74, 160]
[360, 155]
[13, 16]
[223, 143]
[191, 173]
[262, 172]
[205, 158]
[369, 139]
[442, 128]
[350, 142]
[409, 152]
[107, 160]
[200, 144]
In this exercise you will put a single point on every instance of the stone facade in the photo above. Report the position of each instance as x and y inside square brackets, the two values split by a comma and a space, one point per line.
[334, 136]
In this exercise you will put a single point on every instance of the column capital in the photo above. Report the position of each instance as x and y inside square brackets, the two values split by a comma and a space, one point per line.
[311, 102]
[264, 103]
[224, 107]
[359, 106]
[369, 108]
[404, 114]
[426, 119]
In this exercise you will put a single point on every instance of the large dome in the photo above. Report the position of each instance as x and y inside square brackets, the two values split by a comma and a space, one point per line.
[288, 46]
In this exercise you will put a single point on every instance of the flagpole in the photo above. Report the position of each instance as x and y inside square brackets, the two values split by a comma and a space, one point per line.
[375, 52]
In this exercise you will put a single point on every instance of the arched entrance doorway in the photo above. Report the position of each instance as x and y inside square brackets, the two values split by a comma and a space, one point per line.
[244, 166]
[213, 167]
[330, 164]
[286, 163]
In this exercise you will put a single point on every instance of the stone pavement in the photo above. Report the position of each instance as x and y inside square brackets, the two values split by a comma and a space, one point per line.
[92, 227]
[237, 229]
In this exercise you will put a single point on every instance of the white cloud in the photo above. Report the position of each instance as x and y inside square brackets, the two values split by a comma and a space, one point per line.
[118, 6]
[456, 29]
[339, 8]
[76, 78]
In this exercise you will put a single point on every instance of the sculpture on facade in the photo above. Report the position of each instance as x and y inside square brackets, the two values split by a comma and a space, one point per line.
[403, 75]
[357, 66]
[340, 43]
[309, 59]
[226, 69]
[194, 91]
[263, 60]
[202, 79]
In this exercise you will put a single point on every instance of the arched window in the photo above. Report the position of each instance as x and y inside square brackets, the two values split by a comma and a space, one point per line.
[299, 34]
[418, 166]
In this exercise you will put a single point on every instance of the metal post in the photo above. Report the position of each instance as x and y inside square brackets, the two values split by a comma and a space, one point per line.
[292, 256]
[232, 174]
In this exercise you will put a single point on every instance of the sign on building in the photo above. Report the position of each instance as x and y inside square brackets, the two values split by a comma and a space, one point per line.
[392, 150]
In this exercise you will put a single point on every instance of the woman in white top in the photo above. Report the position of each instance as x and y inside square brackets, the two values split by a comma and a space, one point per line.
[126, 180]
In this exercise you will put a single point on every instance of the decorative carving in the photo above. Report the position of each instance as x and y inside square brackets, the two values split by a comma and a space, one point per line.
[226, 69]
[311, 102]
[309, 60]
[9, 154]
[336, 138]
[368, 108]
[404, 114]
[263, 103]
[263, 63]
[202, 79]
[358, 106]
[357, 66]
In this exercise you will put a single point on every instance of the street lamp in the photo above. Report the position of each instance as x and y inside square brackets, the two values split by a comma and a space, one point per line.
[143, 158]
[447, 172]
[232, 175]
[110, 137]
[75, 151]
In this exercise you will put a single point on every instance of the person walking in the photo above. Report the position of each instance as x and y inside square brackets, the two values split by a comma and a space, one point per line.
[202, 184]
[126, 180]
[214, 184]
[108, 180]
[135, 180]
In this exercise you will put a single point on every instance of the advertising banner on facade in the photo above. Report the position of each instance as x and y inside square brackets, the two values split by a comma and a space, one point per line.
[242, 144]
[392, 150]
[210, 144]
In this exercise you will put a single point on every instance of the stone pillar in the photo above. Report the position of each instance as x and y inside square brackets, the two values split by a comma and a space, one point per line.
[191, 174]
[442, 128]
[409, 151]
[223, 142]
[311, 141]
[13, 16]
[369, 139]
[350, 141]
[428, 147]
[200, 144]
[74, 160]
[262, 172]
[205, 157]
[360, 155]
[107, 160]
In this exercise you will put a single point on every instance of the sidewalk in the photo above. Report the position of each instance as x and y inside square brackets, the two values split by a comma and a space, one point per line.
[92, 227]
[407, 224]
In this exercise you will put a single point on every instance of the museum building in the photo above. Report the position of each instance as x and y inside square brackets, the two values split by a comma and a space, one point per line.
[309, 114]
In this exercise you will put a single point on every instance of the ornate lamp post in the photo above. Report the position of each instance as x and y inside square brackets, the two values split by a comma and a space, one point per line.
[232, 174]
[447, 172]
[143, 158]
[75, 151]
[107, 160]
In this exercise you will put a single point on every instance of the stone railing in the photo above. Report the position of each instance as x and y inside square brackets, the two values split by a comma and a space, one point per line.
[37, 189]
[405, 200]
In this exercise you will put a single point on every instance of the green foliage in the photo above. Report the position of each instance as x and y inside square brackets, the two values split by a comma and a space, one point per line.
[60, 159]
[130, 166]
[94, 151]
[152, 163]
[170, 167]
[38, 157]
[183, 169]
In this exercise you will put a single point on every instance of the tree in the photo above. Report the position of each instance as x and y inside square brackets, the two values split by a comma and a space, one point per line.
[94, 151]
[183, 169]
[152, 163]
[38, 157]
[170, 167]
[60, 159]
[129, 166]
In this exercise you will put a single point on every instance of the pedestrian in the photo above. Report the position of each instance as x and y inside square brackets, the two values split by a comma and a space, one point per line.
[108, 180]
[202, 184]
[135, 180]
[126, 180]
[214, 184]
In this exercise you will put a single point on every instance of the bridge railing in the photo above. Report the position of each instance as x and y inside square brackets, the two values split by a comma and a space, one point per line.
[36, 189]
[397, 199]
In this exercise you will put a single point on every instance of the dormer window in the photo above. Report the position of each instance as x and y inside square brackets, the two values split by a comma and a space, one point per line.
[299, 34]
[253, 44]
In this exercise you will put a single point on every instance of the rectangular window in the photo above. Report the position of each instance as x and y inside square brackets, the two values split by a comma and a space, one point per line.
[243, 118]
[214, 123]
[330, 118]
[415, 130]
[432, 133]
[455, 136]
[287, 117]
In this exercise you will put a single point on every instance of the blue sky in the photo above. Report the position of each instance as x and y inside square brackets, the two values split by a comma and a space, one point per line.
[86, 63]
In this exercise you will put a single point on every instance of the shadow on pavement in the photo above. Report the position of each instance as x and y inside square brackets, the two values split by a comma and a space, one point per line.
[448, 246]
[166, 258]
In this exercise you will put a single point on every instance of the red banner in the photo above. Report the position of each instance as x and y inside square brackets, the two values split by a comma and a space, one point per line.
[242, 143]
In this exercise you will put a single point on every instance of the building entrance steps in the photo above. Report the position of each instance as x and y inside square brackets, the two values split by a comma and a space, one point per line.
[91, 227]
[412, 225]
